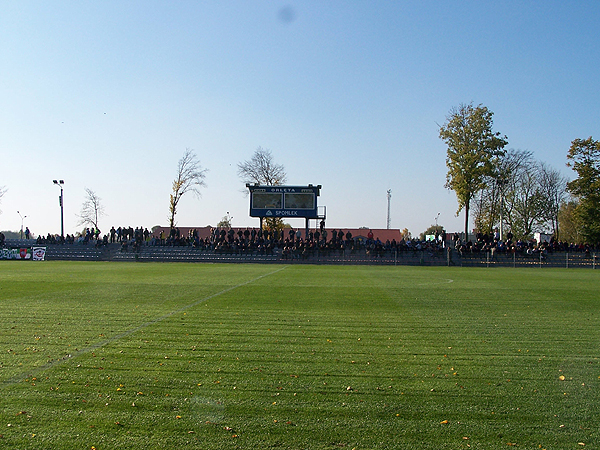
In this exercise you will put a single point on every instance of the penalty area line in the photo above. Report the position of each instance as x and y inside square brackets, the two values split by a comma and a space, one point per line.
[18, 378]
[431, 283]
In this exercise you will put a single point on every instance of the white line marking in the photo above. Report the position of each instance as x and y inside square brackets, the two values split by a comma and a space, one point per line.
[17, 378]
[447, 281]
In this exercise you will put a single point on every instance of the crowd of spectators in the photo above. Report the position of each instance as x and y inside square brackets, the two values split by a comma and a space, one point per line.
[93, 236]
[292, 243]
[492, 244]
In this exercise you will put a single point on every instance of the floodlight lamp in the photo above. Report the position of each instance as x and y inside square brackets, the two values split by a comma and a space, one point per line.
[61, 181]
[55, 181]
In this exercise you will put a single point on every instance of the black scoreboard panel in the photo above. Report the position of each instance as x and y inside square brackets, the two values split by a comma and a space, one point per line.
[284, 201]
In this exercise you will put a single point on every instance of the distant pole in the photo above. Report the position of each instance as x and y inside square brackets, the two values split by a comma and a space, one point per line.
[60, 184]
[502, 182]
[22, 218]
[389, 198]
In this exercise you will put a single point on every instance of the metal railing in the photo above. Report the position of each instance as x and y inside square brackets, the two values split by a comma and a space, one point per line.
[425, 257]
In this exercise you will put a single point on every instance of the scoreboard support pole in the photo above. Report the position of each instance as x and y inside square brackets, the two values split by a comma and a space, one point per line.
[307, 229]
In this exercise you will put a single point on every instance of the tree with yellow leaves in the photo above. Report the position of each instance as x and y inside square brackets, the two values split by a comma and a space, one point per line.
[190, 178]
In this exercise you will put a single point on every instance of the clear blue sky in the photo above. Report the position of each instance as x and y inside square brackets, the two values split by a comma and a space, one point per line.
[347, 94]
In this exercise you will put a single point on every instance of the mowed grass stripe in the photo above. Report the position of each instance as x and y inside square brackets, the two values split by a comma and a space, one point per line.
[309, 357]
[76, 306]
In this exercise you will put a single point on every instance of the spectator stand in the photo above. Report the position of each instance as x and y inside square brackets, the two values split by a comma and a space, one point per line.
[350, 246]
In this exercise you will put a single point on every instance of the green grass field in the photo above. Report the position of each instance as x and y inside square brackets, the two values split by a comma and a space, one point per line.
[125, 355]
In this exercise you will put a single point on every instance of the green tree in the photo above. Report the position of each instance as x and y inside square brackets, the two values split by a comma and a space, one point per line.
[584, 158]
[472, 150]
[406, 235]
[225, 222]
[570, 229]
[190, 178]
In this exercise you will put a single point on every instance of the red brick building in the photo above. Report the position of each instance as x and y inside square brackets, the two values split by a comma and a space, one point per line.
[357, 233]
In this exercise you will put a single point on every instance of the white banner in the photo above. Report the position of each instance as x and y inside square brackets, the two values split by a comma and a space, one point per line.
[39, 253]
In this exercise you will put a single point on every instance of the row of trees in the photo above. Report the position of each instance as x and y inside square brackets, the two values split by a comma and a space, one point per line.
[190, 178]
[522, 194]
[259, 169]
[509, 188]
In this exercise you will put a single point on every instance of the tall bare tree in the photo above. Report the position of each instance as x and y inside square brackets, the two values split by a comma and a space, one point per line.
[190, 178]
[262, 169]
[553, 187]
[523, 193]
[2, 192]
[92, 209]
[524, 201]
[490, 206]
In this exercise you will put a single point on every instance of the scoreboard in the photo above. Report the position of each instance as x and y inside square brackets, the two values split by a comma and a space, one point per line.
[284, 201]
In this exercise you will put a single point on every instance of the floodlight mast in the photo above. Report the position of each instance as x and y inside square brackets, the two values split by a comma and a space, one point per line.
[389, 197]
[22, 218]
[60, 184]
